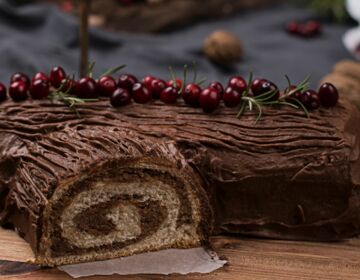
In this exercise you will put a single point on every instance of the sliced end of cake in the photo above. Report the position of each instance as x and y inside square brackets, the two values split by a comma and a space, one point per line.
[120, 208]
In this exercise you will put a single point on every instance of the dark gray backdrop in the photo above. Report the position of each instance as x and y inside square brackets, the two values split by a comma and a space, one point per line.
[37, 37]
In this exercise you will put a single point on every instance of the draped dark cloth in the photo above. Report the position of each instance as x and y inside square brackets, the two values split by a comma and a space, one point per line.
[37, 37]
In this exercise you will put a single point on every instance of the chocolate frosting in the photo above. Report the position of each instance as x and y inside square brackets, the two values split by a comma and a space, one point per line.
[288, 176]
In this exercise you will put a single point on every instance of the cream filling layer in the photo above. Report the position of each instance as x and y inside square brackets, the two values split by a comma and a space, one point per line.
[126, 217]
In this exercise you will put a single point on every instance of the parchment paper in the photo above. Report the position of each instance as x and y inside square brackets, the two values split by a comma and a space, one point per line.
[180, 261]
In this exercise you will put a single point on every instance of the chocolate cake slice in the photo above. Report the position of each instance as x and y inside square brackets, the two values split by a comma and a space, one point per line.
[115, 182]
[83, 191]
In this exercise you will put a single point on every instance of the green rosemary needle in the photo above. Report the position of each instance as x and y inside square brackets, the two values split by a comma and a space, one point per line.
[265, 99]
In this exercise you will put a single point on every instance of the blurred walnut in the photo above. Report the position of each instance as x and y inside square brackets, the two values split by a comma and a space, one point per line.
[223, 48]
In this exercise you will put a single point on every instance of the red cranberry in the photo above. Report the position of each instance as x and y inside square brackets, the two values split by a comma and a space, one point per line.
[310, 99]
[156, 87]
[264, 86]
[20, 77]
[314, 101]
[293, 27]
[294, 95]
[68, 85]
[311, 28]
[238, 83]
[3, 95]
[169, 95]
[106, 85]
[209, 100]
[177, 86]
[39, 89]
[290, 88]
[57, 74]
[328, 95]
[127, 81]
[256, 86]
[271, 87]
[294, 98]
[217, 86]
[191, 94]
[141, 93]
[148, 80]
[86, 88]
[297, 95]
[231, 97]
[120, 97]
[40, 76]
[304, 98]
[18, 91]
[304, 32]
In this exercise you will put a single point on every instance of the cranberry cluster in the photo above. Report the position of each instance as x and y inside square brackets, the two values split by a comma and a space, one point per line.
[210, 97]
[326, 96]
[38, 88]
[41, 85]
[309, 29]
[127, 87]
[151, 88]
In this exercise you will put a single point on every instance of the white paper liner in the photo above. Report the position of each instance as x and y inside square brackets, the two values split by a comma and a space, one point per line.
[165, 262]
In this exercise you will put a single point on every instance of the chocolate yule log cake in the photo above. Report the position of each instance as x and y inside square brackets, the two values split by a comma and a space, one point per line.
[99, 182]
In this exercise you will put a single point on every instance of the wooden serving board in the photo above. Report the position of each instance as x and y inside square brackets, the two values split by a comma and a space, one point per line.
[249, 259]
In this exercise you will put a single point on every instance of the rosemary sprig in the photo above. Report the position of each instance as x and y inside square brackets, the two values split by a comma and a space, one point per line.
[302, 106]
[185, 76]
[195, 75]
[249, 84]
[242, 110]
[267, 96]
[68, 99]
[265, 99]
[90, 69]
[304, 85]
[244, 94]
[172, 75]
[108, 72]
[199, 83]
[112, 71]
[252, 101]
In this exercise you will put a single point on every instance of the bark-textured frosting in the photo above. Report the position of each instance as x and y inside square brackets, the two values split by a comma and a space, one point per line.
[285, 177]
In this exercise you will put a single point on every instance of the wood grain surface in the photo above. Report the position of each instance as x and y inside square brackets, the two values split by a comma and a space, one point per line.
[249, 259]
